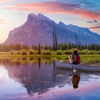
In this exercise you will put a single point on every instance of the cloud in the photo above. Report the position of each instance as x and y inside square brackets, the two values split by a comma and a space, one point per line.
[94, 21]
[2, 21]
[95, 27]
[4, 0]
[57, 8]
[83, 3]
[87, 3]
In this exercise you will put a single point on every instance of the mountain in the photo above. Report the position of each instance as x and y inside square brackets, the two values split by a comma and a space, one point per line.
[38, 29]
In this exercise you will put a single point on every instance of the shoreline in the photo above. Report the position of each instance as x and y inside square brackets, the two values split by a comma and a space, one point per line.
[46, 56]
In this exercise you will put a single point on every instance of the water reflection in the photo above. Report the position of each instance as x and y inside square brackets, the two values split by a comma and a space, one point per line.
[75, 80]
[24, 60]
[32, 77]
[47, 60]
[37, 77]
[40, 75]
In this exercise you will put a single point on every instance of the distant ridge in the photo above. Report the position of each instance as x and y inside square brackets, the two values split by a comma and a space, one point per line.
[38, 29]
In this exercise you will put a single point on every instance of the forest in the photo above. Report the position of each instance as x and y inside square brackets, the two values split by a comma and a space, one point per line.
[60, 49]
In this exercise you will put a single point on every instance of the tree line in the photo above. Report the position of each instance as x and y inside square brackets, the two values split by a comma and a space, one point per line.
[66, 46]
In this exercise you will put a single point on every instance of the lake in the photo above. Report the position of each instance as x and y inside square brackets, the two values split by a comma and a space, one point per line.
[40, 79]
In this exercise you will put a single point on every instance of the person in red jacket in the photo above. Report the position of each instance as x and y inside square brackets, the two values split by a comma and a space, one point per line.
[75, 57]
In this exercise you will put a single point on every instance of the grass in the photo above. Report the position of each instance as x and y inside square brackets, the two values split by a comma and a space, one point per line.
[84, 58]
[8, 54]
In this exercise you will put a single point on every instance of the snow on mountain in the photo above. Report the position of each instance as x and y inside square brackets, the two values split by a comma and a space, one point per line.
[38, 29]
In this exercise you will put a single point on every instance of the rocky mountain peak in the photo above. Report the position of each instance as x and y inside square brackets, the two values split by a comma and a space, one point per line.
[39, 29]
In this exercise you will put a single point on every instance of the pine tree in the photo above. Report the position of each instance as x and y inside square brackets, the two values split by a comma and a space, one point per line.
[45, 47]
[32, 46]
[39, 47]
[62, 46]
[35, 48]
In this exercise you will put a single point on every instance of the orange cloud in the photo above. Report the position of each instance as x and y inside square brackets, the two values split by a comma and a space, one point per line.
[4, 0]
[57, 8]
[2, 21]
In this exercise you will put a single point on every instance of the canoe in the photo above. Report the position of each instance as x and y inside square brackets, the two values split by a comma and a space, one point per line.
[61, 64]
[60, 71]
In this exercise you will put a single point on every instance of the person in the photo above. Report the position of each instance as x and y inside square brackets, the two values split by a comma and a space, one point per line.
[75, 81]
[75, 57]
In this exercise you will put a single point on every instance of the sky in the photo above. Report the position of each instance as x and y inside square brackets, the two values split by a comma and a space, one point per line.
[83, 13]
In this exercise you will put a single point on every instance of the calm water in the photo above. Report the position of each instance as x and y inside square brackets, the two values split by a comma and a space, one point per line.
[39, 79]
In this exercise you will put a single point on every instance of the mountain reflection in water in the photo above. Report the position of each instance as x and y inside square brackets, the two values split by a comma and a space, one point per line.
[35, 77]
[41, 75]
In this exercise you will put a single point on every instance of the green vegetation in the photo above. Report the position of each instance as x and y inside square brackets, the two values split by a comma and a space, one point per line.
[59, 52]
[61, 49]
[32, 52]
[23, 54]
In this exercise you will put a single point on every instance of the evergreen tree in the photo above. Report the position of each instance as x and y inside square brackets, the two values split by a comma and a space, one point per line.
[32, 46]
[50, 47]
[65, 46]
[35, 48]
[45, 47]
[79, 46]
[58, 46]
[62, 47]
[86, 46]
[39, 47]
[70, 47]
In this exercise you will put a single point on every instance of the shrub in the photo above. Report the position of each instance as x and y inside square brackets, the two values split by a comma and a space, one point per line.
[92, 52]
[36, 51]
[24, 52]
[97, 52]
[12, 52]
[67, 52]
[18, 52]
[31, 52]
[46, 52]
[58, 52]
[84, 52]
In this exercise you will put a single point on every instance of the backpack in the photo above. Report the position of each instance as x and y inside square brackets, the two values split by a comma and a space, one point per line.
[78, 78]
[78, 59]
